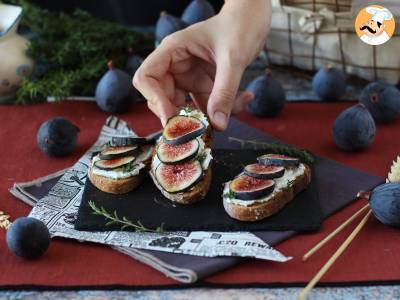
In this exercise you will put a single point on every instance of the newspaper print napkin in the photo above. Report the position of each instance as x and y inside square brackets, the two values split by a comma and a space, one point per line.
[58, 210]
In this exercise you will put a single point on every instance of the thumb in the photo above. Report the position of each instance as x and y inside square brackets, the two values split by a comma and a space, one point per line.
[223, 94]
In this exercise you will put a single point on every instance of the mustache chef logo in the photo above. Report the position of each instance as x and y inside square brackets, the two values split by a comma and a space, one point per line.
[375, 25]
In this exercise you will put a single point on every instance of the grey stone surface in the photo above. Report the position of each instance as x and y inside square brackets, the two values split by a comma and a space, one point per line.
[345, 293]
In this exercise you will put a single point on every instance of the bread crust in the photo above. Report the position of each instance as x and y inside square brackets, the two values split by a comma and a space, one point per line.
[262, 210]
[114, 186]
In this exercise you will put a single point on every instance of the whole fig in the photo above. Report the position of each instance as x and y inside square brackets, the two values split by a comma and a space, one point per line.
[269, 96]
[166, 25]
[57, 137]
[354, 129]
[382, 100]
[28, 238]
[133, 63]
[329, 84]
[115, 92]
[197, 11]
[385, 203]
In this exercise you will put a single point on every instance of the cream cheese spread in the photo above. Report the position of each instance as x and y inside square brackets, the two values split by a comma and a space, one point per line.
[280, 183]
[196, 114]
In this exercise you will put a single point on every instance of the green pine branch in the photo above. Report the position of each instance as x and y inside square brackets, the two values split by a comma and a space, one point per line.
[72, 52]
[304, 155]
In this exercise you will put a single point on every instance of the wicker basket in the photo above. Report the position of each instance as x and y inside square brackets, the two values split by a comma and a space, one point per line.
[309, 34]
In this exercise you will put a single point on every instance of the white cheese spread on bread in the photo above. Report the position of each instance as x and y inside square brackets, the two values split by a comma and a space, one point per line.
[280, 184]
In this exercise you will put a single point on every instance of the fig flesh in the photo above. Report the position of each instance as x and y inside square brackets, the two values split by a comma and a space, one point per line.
[181, 129]
[246, 187]
[113, 163]
[278, 160]
[180, 177]
[264, 171]
[172, 154]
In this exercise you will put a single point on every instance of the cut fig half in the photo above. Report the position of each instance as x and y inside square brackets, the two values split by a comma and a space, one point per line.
[278, 160]
[113, 163]
[118, 141]
[173, 154]
[181, 129]
[118, 152]
[246, 187]
[178, 178]
[264, 172]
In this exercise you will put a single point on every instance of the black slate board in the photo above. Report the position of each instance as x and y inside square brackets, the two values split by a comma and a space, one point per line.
[148, 205]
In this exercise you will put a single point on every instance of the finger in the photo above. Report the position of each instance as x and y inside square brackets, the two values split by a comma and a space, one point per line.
[156, 97]
[200, 100]
[179, 98]
[223, 94]
[148, 81]
[241, 101]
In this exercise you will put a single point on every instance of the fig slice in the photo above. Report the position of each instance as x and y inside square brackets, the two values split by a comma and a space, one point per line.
[117, 152]
[264, 172]
[180, 177]
[181, 129]
[172, 154]
[113, 163]
[246, 187]
[118, 141]
[278, 160]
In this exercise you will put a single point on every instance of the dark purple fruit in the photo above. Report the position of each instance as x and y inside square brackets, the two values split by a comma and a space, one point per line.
[166, 25]
[117, 141]
[269, 96]
[57, 137]
[115, 92]
[382, 100]
[180, 177]
[28, 238]
[133, 63]
[172, 154]
[249, 188]
[354, 129]
[118, 152]
[197, 11]
[181, 129]
[278, 160]
[385, 203]
[113, 163]
[263, 171]
[329, 84]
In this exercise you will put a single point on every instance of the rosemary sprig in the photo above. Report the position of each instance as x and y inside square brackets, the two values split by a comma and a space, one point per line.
[4, 220]
[124, 222]
[305, 155]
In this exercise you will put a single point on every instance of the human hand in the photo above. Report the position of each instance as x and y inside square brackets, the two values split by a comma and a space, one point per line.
[206, 60]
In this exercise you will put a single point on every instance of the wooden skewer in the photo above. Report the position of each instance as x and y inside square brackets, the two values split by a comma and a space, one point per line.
[333, 233]
[333, 258]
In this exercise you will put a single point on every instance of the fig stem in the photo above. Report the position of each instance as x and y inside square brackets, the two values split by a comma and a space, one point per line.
[268, 72]
[110, 65]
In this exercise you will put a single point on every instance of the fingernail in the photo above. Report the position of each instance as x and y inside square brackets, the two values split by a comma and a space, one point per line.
[220, 119]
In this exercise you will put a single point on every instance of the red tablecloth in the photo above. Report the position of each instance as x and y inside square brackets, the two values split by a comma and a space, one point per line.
[373, 256]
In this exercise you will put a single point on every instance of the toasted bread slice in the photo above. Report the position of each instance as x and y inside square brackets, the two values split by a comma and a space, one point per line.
[200, 189]
[262, 210]
[114, 186]
[121, 185]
